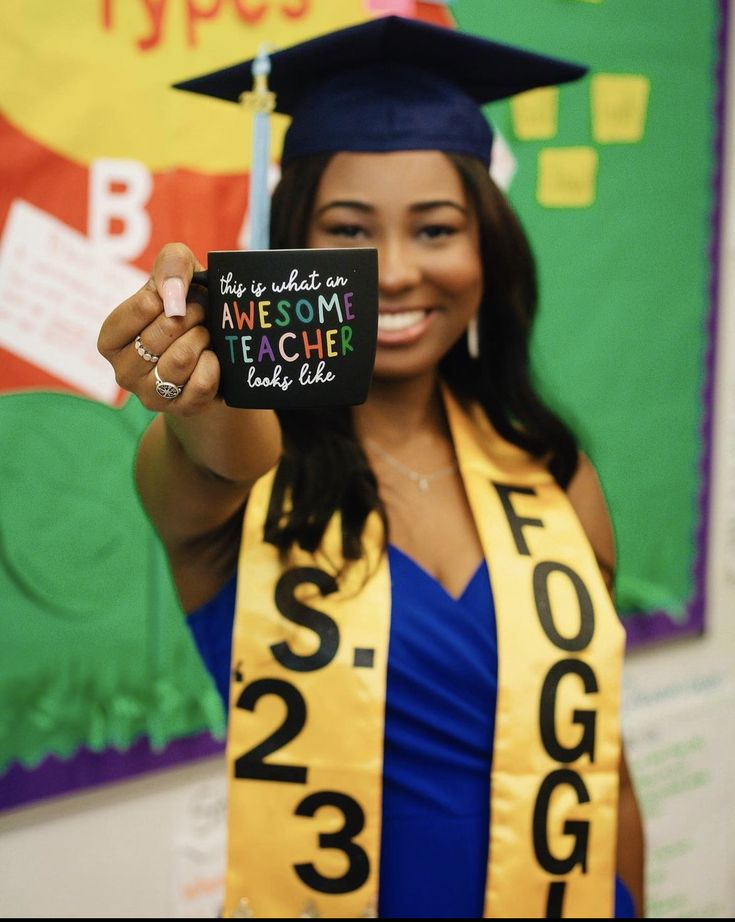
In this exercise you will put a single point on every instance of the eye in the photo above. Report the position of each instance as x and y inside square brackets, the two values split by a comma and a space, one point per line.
[436, 231]
[350, 231]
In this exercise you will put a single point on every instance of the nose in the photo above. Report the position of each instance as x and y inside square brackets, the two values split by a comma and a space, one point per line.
[398, 267]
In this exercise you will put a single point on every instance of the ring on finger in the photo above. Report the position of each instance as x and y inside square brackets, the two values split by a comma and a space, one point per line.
[144, 353]
[166, 389]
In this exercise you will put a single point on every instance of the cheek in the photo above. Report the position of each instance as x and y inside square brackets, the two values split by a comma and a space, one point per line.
[459, 273]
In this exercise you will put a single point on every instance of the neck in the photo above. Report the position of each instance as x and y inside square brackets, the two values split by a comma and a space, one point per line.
[398, 410]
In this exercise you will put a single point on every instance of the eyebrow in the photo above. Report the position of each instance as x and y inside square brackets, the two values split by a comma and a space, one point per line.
[439, 203]
[419, 207]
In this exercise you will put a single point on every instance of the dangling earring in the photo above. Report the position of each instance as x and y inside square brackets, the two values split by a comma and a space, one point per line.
[473, 338]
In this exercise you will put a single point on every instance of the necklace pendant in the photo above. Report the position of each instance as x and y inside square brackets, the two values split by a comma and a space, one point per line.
[423, 484]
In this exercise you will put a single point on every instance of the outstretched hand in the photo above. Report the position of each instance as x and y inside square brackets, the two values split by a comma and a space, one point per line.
[157, 342]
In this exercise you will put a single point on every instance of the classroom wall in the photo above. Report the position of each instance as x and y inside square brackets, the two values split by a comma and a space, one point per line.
[152, 847]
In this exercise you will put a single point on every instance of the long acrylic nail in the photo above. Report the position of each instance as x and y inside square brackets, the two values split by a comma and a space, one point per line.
[174, 297]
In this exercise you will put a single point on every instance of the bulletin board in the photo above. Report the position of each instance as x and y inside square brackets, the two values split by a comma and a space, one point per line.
[616, 179]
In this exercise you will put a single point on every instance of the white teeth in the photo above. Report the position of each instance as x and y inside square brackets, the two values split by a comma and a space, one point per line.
[399, 320]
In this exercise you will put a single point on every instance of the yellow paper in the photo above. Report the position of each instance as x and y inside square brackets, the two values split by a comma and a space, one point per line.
[133, 52]
[535, 114]
[619, 104]
[567, 177]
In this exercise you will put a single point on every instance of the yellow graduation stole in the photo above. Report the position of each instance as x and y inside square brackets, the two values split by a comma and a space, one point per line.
[305, 744]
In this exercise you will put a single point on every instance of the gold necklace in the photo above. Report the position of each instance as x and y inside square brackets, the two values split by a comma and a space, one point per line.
[422, 481]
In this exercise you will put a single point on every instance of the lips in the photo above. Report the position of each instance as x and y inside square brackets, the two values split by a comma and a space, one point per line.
[402, 327]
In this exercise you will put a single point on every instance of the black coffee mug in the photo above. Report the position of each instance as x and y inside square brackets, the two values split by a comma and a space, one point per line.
[293, 328]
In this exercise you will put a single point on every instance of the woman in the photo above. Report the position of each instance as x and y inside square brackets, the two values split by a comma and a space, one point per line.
[383, 527]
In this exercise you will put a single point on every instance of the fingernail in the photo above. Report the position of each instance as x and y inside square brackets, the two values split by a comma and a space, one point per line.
[174, 297]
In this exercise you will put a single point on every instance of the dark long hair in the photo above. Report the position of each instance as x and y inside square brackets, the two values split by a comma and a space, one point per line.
[324, 468]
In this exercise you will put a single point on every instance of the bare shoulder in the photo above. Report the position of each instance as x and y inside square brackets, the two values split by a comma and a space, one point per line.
[586, 496]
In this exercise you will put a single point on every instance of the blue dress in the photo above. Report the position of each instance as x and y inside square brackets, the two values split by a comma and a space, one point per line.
[439, 726]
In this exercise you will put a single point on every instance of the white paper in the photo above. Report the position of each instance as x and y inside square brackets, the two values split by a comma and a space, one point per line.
[681, 749]
[56, 289]
[503, 164]
[200, 852]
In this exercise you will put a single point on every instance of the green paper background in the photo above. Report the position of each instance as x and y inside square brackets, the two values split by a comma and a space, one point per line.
[95, 651]
[621, 340]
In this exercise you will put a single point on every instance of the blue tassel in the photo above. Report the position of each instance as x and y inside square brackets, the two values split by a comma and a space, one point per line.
[262, 102]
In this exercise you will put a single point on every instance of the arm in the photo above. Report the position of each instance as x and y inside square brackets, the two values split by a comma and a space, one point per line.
[199, 458]
[631, 843]
[586, 496]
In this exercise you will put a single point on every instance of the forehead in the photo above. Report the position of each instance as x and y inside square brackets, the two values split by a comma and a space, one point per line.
[398, 177]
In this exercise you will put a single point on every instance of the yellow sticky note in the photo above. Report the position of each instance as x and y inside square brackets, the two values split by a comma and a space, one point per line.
[567, 177]
[535, 113]
[619, 106]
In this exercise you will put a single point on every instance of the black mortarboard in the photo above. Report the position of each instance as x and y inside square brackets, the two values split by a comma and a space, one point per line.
[390, 84]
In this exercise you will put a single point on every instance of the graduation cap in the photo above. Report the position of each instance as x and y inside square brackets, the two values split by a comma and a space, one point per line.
[390, 84]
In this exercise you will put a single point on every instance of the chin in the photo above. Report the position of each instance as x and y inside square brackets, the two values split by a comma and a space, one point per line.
[401, 368]
[413, 361]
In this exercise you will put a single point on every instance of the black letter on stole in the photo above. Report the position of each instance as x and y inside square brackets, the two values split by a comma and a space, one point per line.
[290, 607]
[547, 712]
[577, 828]
[555, 900]
[543, 606]
[517, 522]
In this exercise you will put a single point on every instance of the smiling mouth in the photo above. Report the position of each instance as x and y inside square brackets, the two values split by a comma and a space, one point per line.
[400, 321]
[403, 328]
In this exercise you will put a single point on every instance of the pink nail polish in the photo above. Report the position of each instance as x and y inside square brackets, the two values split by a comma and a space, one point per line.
[174, 297]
